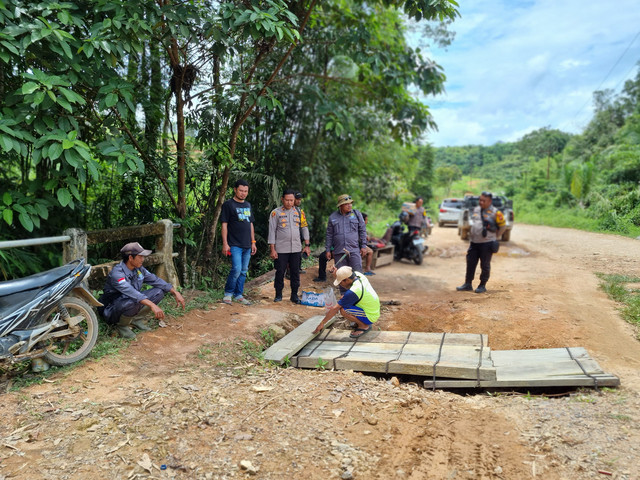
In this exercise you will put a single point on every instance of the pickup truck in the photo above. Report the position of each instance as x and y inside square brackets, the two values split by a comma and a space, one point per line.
[502, 203]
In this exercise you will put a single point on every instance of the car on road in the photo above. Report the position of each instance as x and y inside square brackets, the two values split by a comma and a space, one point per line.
[449, 211]
[501, 202]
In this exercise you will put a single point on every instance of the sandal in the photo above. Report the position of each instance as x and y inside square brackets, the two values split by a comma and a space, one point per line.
[363, 330]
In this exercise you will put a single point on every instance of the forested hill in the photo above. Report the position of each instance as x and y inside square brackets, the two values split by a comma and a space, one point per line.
[590, 180]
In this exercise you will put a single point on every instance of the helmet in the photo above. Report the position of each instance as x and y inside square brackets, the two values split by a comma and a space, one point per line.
[404, 217]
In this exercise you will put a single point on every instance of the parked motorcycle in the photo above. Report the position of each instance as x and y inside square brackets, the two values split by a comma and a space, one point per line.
[408, 244]
[48, 315]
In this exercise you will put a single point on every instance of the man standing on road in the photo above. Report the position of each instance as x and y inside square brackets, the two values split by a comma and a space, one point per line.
[238, 240]
[487, 226]
[123, 298]
[285, 223]
[346, 230]
[417, 218]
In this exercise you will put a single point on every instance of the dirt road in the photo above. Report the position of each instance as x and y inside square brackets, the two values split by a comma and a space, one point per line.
[193, 398]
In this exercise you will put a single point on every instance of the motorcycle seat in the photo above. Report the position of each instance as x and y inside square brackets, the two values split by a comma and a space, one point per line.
[38, 280]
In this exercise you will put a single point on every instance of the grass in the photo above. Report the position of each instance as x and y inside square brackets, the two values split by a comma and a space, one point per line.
[618, 288]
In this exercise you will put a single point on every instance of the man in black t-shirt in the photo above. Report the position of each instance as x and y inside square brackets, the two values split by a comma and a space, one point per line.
[238, 241]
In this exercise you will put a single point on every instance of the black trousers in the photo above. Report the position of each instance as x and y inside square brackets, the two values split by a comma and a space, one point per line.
[292, 260]
[482, 252]
[322, 266]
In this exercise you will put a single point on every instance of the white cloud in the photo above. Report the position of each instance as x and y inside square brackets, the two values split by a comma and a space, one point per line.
[516, 66]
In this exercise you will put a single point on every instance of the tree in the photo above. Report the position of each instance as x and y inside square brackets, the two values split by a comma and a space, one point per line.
[446, 175]
[544, 142]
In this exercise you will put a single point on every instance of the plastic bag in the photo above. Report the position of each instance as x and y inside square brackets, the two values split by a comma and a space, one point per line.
[329, 298]
[313, 299]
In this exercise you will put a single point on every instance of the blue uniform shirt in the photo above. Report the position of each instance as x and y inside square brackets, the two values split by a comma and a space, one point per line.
[127, 282]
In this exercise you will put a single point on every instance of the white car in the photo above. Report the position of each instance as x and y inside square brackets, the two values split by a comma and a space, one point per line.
[449, 211]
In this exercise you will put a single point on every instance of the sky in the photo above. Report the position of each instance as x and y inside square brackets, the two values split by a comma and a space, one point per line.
[519, 65]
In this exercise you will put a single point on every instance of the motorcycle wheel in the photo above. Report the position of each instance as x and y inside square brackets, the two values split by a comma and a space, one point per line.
[74, 347]
[417, 256]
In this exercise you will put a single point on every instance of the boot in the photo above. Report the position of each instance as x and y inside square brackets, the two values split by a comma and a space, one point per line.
[465, 287]
[125, 331]
[294, 298]
[123, 327]
[140, 325]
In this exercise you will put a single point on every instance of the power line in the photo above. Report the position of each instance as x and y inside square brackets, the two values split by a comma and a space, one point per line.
[609, 73]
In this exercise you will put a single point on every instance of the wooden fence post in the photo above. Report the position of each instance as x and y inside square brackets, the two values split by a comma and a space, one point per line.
[76, 247]
[164, 246]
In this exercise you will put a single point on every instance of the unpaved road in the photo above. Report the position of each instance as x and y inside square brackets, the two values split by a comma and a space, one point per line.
[190, 398]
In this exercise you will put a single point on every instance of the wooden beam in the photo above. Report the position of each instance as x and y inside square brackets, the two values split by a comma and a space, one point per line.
[291, 343]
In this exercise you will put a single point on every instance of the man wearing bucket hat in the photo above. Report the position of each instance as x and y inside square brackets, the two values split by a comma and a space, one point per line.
[123, 298]
[359, 304]
[346, 231]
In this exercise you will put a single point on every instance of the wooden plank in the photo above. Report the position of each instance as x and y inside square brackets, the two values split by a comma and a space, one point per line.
[379, 365]
[377, 336]
[295, 340]
[539, 368]
[414, 352]
[604, 380]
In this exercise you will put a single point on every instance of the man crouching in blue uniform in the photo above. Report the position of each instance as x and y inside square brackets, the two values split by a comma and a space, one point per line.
[122, 297]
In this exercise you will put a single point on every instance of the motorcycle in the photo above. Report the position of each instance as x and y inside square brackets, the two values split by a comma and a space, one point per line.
[408, 244]
[48, 315]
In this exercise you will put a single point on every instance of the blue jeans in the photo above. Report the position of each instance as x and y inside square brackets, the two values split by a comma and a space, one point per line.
[239, 267]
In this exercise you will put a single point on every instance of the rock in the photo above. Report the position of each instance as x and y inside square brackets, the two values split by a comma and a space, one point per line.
[394, 381]
[248, 467]
[347, 475]
[497, 470]
[277, 331]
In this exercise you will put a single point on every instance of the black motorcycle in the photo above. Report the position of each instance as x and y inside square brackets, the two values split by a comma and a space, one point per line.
[48, 315]
[408, 244]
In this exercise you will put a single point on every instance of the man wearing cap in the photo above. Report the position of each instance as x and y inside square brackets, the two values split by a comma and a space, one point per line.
[122, 298]
[359, 304]
[346, 231]
[284, 241]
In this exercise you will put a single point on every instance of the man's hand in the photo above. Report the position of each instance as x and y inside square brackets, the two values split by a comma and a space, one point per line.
[254, 249]
[273, 253]
[363, 252]
[157, 311]
[307, 250]
[319, 327]
[226, 249]
[179, 298]
[329, 255]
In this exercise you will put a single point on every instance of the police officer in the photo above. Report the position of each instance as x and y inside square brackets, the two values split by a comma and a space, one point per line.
[285, 223]
[487, 226]
[122, 298]
[346, 230]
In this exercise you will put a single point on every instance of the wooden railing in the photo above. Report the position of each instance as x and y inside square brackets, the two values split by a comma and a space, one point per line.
[75, 242]
[162, 257]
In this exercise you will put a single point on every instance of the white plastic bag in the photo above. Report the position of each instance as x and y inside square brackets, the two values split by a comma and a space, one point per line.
[329, 298]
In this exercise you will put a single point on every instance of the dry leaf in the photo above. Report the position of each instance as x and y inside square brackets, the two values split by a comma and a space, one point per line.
[262, 388]
[146, 462]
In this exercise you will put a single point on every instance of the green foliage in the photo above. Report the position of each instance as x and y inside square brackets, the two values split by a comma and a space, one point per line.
[625, 290]
[321, 364]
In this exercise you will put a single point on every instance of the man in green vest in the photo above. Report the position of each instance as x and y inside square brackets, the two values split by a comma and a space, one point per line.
[359, 304]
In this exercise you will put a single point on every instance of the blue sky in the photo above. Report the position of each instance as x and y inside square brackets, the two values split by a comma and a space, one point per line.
[516, 66]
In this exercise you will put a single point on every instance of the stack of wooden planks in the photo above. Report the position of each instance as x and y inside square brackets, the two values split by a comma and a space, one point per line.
[448, 360]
